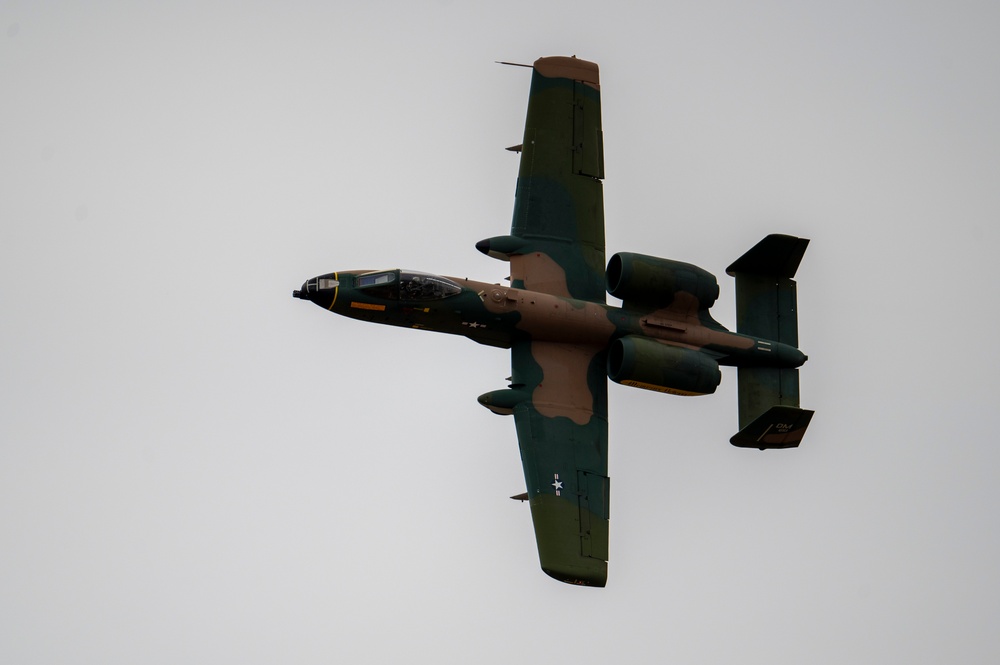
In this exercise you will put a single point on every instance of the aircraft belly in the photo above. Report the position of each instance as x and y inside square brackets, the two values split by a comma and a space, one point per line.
[552, 318]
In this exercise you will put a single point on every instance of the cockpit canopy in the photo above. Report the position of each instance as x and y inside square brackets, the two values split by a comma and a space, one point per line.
[406, 285]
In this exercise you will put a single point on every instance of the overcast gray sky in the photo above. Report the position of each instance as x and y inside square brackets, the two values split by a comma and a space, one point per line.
[194, 467]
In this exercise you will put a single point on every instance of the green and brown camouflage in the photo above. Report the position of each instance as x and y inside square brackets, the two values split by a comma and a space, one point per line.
[566, 341]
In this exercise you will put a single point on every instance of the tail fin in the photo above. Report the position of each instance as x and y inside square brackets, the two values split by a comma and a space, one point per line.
[765, 290]
[778, 427]
[766, 307]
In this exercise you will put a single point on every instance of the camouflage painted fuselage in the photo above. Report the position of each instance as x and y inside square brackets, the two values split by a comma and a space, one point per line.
[497, 315]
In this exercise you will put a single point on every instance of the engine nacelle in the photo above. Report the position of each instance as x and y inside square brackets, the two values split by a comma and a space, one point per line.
[651, 365]
[654, 282]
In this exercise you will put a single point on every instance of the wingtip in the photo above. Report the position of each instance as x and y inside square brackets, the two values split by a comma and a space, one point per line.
[560, 66]
[577, 577]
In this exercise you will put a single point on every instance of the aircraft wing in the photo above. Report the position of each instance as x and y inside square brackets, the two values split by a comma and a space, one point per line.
[562, 431]
[559, 201]
[556, 246]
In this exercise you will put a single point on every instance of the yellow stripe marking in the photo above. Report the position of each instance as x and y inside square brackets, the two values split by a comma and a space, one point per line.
[364, 305]
[659, 389]
[336, 290]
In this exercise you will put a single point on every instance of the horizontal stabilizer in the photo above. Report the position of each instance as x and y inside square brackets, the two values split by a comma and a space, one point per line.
[778, 427]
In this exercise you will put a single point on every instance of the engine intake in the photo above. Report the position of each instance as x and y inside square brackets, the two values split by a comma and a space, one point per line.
[654, 282]
[651, 365]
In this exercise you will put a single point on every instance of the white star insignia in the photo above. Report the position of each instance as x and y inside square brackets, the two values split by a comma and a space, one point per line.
[557, 484]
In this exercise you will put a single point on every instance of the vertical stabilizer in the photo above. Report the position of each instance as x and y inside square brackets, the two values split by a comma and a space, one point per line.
[765, 290]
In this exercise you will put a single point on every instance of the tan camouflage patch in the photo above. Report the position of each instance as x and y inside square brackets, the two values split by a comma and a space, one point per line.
[539, 272]
[564, 390]
[569, 68]
[679, 324]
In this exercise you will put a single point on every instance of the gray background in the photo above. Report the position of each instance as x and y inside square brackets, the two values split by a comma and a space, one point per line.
[194, 467]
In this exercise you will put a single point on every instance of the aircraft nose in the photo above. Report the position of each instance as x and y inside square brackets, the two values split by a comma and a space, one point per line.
[320, 290]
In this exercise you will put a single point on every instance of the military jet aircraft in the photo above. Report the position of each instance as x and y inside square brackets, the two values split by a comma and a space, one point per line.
[566, 341]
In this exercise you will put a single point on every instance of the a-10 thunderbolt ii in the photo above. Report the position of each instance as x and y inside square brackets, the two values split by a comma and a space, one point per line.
[566, 341]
